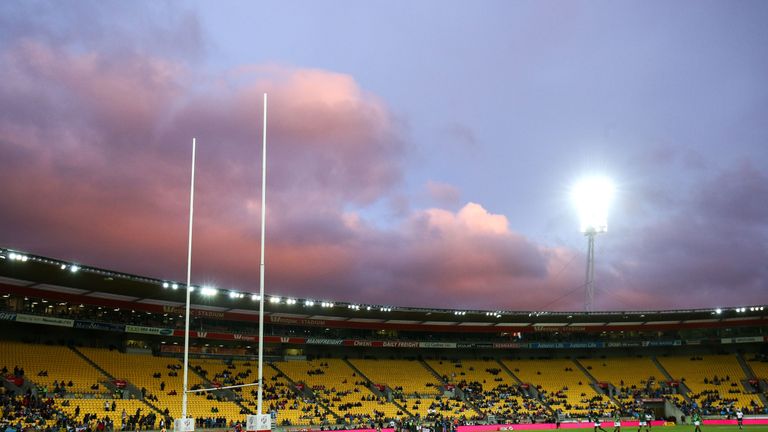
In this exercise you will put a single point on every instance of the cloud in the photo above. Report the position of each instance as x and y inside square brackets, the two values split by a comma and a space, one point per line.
[443, 194]
[95, 139]
[709, 248]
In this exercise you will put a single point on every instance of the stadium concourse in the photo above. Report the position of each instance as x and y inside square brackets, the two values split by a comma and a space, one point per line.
[90, 348]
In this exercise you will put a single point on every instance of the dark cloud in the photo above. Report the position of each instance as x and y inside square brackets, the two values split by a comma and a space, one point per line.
[708, 249]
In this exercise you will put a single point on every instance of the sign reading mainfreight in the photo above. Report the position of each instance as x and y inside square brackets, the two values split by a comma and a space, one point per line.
[321, 341]
[148, 330]
[34, 319]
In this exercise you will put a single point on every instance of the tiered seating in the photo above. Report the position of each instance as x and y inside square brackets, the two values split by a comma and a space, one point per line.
[760, 368]
[564, 385]
[60, 363]
[408, 376]
[487, 386]
[96, 407]
[714, 380]
[340, 388]
[140, 370]
[277, 396]
[630, 375]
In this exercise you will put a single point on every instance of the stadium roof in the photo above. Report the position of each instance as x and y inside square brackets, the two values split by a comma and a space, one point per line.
[43, 274]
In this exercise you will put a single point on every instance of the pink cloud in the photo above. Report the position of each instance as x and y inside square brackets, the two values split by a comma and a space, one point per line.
[97, 171]
[443, 194]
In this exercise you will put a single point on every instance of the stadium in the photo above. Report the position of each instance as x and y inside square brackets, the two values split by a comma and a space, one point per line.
[104, 349]
[423, 269]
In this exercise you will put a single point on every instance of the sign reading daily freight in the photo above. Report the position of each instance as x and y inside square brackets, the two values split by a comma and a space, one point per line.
[148, 330]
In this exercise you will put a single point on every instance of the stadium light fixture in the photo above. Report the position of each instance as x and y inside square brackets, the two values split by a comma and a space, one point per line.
[63, 267]
[275, 299]
[208, 291]
[718, 311]
[165, 285]
[255, 297]
[175, 286]
[309, 303]
[593, 197]
[74, 269]
[233, 294]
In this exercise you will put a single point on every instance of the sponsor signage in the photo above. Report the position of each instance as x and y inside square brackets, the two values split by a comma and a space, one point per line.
[399, 344]
[745, 339]
[193, 312]
[662, 343]
[34, 319]
[559, 329]
[7, 316]
[295, 321]
[437, 345]
[322, 341]
[506, 345]
[148, 330]
[361, 343]
[465, 345]
[92, 325]
[551, 345]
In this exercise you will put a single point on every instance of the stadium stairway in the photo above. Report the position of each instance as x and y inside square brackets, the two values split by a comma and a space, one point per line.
[594, 383]
[317, 401]
[231, 395]
[531, 393]
[130, 388]
[684, 390]
[750, 374]
[375, 389]
[457, 391]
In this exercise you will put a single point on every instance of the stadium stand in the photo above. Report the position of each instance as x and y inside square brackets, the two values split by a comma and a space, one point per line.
[488, 387]
[339, 387]
[631, 376]
[160, 381]
[407, 376]
[715, 381]
[562, 385]
[69, 374]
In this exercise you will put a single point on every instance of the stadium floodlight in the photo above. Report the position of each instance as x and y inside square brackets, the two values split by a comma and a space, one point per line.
[165, 285]
[309, 303]
[208, 291]
[274, 299]
[592, 197]
[718, 311]
[74, 269]
[255, 297]
[175, 286]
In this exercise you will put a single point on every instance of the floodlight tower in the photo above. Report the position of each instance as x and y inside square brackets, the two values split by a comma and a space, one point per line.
[592, 196]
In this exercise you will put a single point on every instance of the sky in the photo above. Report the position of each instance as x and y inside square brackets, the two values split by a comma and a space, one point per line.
[419, 153]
